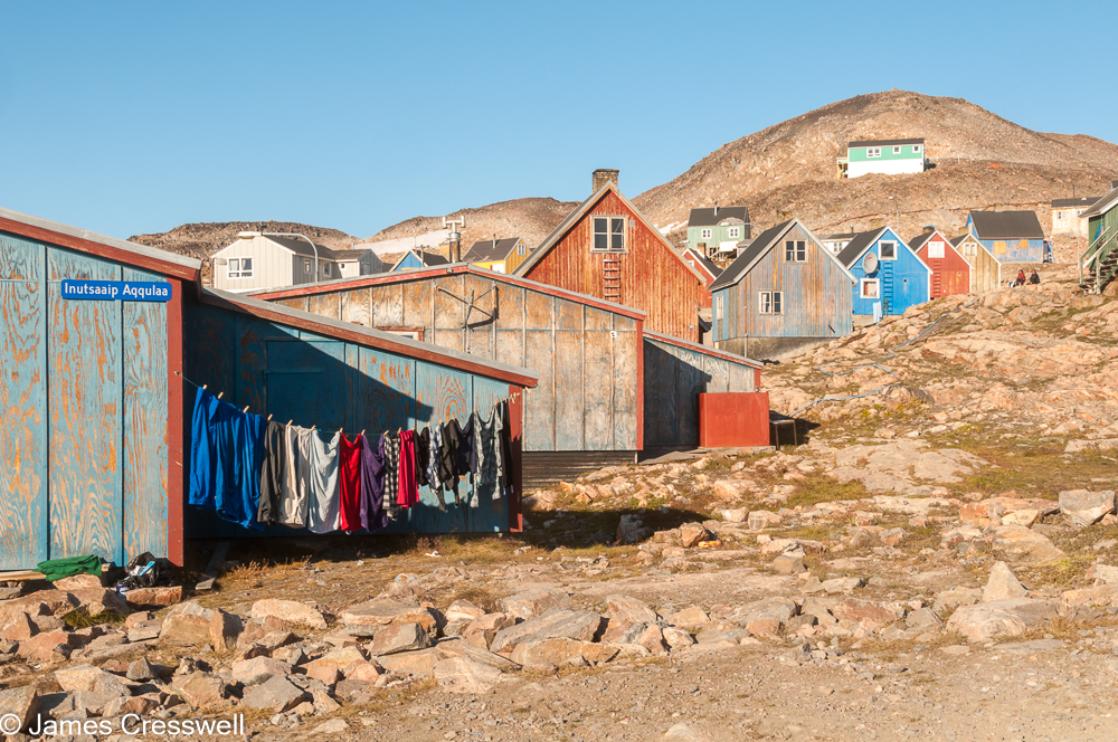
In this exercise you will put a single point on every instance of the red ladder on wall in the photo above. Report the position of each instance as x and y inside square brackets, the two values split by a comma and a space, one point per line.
[611, 278]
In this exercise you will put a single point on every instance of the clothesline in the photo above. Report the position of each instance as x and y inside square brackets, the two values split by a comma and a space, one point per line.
[515, 396]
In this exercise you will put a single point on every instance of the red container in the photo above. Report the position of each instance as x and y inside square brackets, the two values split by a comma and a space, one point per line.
[733, 419]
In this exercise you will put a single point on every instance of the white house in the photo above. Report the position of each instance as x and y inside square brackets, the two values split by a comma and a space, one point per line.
[1066, 217]
[885, 156]
[257, 261]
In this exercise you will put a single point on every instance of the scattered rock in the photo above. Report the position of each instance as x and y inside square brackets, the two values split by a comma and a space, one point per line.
[22, 703]
[1002, 584]
[534, 602]
[399, 637]
[1084, 508]
[191, 624]
[759, 520]
[1020, 544]
[277, 694]
[144, 597]
[983, 622]
[690, 534]
[555, 624]
[257, 670]
[288, 611]
[201, 690]
[465, 675]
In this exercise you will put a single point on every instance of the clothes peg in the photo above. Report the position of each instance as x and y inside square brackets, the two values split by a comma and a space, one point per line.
[362, 433]
[205, 385]
[290, 421]
[269, 417]
[221, 394]
[245, 410]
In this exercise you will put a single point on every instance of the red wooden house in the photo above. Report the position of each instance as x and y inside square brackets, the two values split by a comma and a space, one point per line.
[605, 248]
[950, 270]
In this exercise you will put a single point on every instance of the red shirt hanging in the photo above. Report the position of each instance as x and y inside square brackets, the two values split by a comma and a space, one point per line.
[349, 476]
[408, 491]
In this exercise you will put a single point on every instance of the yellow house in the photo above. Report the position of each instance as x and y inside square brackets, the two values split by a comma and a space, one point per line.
[498, 255]
[985, 270]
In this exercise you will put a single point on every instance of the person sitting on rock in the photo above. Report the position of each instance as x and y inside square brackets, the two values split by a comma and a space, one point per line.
[1034, 278]
[1020, 278]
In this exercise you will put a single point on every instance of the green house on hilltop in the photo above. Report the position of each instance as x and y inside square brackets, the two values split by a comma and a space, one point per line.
[884, 156]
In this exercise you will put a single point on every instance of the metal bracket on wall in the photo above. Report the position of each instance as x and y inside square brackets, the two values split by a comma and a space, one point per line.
[471, 304]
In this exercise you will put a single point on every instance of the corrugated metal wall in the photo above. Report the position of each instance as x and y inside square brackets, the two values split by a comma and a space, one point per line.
[586, 357]
[84, 396]
[674, 376]
[316, 380]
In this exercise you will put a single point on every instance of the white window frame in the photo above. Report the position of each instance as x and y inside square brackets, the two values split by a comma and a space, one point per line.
[770, 302]
[733, 233]
[610, 232]
[873, 153]
[881, 249]
[236, 268]
[937, 250]
[719, 306]
[706, 233]
[521, 249]
[896, 149]
[306, 265]
[970, 250]
[865, 282]
[795, 251]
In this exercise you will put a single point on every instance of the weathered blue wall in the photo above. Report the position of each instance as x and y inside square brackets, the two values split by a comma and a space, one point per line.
[84, 398]
[1013, 251]
[411, 260]
[903, 282]
[317, 380]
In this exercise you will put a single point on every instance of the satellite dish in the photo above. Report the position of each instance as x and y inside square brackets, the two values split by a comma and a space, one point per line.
[869, 263]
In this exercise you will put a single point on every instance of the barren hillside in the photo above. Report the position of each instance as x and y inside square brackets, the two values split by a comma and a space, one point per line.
[529, 218]
[200, 240]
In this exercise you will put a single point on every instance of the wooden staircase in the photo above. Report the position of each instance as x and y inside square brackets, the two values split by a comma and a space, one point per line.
[611, 278]
[1098, 265]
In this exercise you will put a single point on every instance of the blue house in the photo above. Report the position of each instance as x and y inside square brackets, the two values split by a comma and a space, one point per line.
[1011, 236]
[889, 277]
[413, 260]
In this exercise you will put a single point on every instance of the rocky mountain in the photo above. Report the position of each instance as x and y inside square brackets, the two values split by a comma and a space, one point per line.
[979, 161]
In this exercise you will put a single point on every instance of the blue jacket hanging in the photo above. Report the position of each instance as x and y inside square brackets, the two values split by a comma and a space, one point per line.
[226, 455]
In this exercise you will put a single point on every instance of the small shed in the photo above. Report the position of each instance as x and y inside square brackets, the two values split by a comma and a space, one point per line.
[703, 264]
[889, 276]
[1010, 236]
[498, 255]
[781, 292]
[950, 270]
[985, 270]
[91, 346]
[606, 248]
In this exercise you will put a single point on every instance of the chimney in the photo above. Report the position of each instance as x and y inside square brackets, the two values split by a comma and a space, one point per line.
[603, 176]
[716, 210]
[929, 228]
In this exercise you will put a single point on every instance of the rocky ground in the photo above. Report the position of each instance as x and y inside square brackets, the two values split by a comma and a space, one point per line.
[939, 559]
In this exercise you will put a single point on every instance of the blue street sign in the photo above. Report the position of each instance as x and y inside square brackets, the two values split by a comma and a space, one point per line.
[83, 290]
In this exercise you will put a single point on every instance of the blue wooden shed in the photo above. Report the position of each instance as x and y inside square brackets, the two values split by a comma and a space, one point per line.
[91, 395]
[889, 277]
[416, 259]
[1011, 236]
[318, 371]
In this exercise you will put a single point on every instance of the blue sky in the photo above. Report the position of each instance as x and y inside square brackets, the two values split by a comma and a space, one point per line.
[128, 117]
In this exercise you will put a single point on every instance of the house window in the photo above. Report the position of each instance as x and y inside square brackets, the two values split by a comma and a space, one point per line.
[970, 250]
[705, 233]
[718, 306]
[772, 302]
[870, 288]
[935, 249]
[872, 152]
[306, 265]
[325, 269]
[521, 249]
[916, 148]
[733, 232]
[609, 233]
[888, 250]
[795, 251]
[896, 149]
[240, 268]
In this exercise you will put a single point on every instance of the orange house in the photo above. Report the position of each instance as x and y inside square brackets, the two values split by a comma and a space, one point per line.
[605, 248]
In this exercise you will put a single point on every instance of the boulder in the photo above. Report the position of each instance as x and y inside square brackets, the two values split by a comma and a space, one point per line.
[79, 582]
[384, 611]
[677, 638]
[466, 675]
[257, 670]
[98, 601]
[88, 678]
[947, 601]
[759, 520]
[144, 597]
[140, 670]
[1020, 544]
[623, 611]
[277, 695]
[630, 529]
[789, 563]
[983, 622]
[866, 613]
[1104, 574]
[420, 664]
[18, 628]
[1084, 508]
[20, 703]
[765, 617]
[551, 654]
[534, 602]
[331, 665]
[289, 612]
[1002, 584]
[399, 637]
[49, 646]
[481, 631]
[690, 534]
[1076, 603]
[193, 625]
[463, 610]
[735, 515]
[692, 617]
[201, 690]
[555, 624]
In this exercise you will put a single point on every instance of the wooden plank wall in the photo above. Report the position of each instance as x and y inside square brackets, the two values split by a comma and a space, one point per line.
[85, 384]
[674, 376]
[586, 357]
[653, 279]
[317, 380]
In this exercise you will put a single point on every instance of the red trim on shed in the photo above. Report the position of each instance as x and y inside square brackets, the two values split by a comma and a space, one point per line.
[176, 462]
[640, 385]
[100, 249]
[516, 465]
